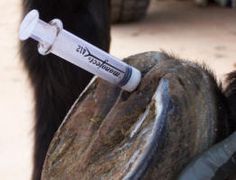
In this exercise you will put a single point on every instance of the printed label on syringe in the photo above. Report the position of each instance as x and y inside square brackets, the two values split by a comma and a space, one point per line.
[99, 63]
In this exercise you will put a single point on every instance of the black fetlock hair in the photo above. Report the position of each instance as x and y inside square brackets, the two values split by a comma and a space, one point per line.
[57, 83]
[230, 93]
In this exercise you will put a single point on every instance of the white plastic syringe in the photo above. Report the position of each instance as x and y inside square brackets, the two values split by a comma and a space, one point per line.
[54, 39]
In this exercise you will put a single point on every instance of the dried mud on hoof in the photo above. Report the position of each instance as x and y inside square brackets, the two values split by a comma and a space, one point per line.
[151, 133]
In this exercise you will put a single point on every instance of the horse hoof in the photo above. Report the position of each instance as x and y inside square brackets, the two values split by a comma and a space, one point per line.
[151, 133]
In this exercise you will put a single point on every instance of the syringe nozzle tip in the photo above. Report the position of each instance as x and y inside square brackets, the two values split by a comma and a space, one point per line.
[28, 24]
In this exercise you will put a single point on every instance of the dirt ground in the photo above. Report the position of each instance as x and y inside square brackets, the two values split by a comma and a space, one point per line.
[180, 27]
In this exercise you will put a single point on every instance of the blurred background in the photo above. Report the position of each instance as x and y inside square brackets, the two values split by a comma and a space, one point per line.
[180, 27]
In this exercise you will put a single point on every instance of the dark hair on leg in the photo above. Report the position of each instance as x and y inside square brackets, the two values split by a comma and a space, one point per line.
[57, 83]
[230, 93]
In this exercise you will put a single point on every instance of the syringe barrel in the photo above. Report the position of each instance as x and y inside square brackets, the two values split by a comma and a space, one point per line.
[94, 60]
[53, 38]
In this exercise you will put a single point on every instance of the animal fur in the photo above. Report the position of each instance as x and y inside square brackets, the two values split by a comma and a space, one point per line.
[57, 83]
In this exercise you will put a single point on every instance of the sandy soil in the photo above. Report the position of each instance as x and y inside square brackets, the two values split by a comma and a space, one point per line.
[207, 34]
[180, 27]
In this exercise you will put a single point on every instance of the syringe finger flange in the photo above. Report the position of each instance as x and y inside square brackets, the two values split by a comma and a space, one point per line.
[45, 48]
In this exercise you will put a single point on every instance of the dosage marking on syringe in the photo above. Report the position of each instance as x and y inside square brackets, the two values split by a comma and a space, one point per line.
[81, 50]
[103, 64]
